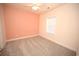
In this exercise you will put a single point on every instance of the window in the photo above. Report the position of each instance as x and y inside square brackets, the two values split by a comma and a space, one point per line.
[50, 25]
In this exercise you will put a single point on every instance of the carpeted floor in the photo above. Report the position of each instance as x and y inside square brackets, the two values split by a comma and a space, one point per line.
[35, 46]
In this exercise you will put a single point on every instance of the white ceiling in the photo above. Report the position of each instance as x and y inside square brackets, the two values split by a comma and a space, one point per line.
[44, 7]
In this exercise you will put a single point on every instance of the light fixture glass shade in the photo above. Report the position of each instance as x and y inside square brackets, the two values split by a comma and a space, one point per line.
[35, 8]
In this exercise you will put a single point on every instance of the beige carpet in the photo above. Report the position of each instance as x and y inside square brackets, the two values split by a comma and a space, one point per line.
[35, 46]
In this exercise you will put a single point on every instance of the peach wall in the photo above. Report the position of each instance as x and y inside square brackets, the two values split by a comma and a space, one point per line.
[20, 22]
[66, 33]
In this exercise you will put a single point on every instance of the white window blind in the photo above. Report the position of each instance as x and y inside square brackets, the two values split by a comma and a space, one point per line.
[51, 24]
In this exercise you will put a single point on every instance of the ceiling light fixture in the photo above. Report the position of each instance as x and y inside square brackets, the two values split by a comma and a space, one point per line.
[35, 8]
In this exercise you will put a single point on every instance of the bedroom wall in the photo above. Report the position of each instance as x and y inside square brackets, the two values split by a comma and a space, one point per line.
[20, 23]
[66, 33]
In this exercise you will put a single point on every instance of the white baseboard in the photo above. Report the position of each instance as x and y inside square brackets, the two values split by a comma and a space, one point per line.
[18, 38]
[70, 48]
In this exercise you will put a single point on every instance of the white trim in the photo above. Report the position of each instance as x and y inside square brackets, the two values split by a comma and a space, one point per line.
[70, 48]
[18, 38]
[2, 29]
